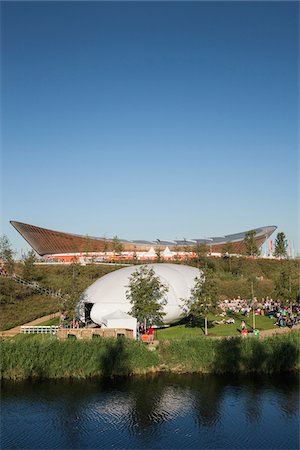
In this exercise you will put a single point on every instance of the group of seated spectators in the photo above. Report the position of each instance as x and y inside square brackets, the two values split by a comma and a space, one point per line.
[285, 316]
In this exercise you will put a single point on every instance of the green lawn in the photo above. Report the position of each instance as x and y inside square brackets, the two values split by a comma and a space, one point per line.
[178, 331]
[50, 322]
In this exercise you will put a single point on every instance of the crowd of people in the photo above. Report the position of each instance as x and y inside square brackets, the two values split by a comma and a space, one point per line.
[283, 315]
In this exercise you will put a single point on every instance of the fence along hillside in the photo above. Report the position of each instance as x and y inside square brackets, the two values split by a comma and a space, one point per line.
[31, 284]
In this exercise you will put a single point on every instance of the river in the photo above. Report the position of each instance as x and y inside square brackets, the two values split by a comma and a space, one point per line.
[161, 412]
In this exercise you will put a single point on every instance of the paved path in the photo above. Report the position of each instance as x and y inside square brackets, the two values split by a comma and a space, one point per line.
[278, 330]
[17, 330]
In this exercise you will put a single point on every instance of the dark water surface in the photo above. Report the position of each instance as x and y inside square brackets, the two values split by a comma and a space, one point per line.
[159, 412]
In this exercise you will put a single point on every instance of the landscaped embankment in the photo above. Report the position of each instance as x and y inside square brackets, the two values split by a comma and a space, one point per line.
[46, 357]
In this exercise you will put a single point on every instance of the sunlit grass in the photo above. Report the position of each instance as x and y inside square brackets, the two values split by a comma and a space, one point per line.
[186, 330]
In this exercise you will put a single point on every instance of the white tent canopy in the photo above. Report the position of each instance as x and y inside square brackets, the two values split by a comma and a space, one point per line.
[150, 252]
[167, 253]
[119, 319]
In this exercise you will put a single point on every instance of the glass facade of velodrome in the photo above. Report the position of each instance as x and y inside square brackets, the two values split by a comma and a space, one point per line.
[66, 246]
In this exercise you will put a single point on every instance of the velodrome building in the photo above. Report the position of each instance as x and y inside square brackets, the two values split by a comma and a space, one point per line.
[67, 247]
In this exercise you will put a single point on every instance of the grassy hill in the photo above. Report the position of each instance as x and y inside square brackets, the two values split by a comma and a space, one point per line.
[19, 305]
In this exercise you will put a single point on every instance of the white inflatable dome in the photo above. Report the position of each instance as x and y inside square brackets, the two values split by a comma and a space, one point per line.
[108, 294]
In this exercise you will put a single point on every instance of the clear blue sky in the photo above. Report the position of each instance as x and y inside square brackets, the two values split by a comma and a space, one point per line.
[150, 120]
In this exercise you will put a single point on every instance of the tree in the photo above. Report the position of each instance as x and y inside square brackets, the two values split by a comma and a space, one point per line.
[146, 293]
[201, 250]
[280, 246]
[251, 246]
[287, 286]
[7, 259]
[204, 297]
[158, 255]
[117, 245]
[7, 255]
[72, 290]
[29, 269]
[227, 251]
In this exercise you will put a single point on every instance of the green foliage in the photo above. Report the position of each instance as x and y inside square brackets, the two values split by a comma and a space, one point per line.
[204, 296]
[280, 246]
[158, 255]
[7, 254]
[228, 249]
[201, 250]
[19, 305]
[26, 305]
[47, 357]
[287, 289]
[250, 243]
[7, 259]
[274, 354]
[72, 291]
[146, 293]
[29, 269]
[117, 246]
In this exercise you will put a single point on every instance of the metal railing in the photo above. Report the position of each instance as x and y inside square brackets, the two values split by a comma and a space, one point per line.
[28, 329]
[32, 285]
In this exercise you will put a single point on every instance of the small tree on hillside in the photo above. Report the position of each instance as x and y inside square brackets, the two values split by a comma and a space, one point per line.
[286, 288]
[72, 290]
[251, 246]
[7, 255]
[7, 259]
[280, 246]
[117, 245]
[201, 250]
[227, 251]
[146, 293]
[204, 297]
[29, 269]
[158, 255]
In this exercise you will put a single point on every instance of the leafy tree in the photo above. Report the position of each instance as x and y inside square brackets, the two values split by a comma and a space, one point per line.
[117, 245]
[158, 255]
[7, 255]
[201, 250]
[251, 246]
[7, 258]
[72, 290]
[227, 251]
[280, 245]
[29, 269]
[204, 296]
[287, 286]
[87, 249]
[146, 293]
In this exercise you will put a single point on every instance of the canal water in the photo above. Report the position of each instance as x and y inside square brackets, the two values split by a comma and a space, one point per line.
[153, 412]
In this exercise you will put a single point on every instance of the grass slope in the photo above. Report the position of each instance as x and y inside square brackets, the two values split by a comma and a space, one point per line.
[46, 357]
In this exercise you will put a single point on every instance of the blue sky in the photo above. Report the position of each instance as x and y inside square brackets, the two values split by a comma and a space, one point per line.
[150, 120]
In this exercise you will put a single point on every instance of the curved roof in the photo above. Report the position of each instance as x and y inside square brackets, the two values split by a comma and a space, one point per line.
[108, 293]
[50, 242]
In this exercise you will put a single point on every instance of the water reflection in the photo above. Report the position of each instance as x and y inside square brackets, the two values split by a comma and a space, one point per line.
[164, 411]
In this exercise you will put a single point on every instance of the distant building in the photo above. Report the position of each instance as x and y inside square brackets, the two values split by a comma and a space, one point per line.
[57, 245]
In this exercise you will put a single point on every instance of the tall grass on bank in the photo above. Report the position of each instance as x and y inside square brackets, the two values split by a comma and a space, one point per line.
[232, 355]
[46, 357]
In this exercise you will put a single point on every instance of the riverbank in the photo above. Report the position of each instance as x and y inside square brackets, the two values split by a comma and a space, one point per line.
[45, 357]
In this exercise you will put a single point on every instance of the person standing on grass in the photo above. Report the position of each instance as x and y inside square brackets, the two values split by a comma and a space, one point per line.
[151, 333]
[243, 325]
